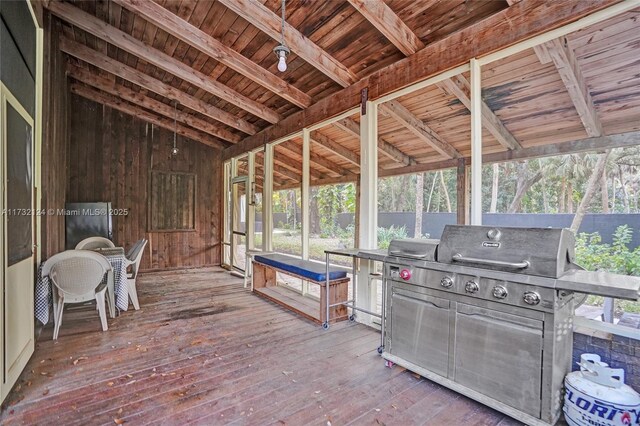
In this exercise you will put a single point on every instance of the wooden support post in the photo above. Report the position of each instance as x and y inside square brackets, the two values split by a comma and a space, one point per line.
[267, 200]
[476, 143]
[461, 189]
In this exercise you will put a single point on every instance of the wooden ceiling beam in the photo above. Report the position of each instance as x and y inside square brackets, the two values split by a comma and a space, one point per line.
[400, 35]
[135, 111]
[282, 167]
[394, 153]
[498, 31]
[296, 150]
[389, 24]
[385, 148]
[594, 144]
[276, 179]
[419, 129]
[107, 85]
[459, 87]
[198, 39]
[335, 147]
[132, 75]
[270, 23]
[567, 65]
[332, 167]
[323, 182]
[540, 50]
[130, 44]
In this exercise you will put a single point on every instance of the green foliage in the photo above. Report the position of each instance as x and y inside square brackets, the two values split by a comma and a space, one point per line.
[385, 235]
[592, 254]
[332, 200]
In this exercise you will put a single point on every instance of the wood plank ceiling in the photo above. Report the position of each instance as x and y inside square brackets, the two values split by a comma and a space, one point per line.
[215, 59]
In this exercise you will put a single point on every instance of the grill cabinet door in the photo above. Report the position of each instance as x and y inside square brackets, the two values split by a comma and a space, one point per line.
[420, 331]
[499, 355]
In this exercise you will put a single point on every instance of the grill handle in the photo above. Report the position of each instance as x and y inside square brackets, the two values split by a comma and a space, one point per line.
[409, 255]
[512, 265]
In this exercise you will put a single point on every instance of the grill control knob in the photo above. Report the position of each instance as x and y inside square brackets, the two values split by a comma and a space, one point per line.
[446, 282]
[405, 274]
[500, 292]
[531, 298]
[471, 287]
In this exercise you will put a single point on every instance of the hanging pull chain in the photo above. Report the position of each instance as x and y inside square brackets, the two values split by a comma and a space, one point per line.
[284, 6]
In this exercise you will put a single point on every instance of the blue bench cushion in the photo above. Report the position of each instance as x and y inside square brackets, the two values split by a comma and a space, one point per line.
[313, 271]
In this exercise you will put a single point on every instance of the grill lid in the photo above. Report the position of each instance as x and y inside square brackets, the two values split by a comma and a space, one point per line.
[545, 252]
[414, 248]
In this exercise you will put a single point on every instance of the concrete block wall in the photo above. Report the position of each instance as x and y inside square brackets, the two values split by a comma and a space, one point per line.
[617, 351]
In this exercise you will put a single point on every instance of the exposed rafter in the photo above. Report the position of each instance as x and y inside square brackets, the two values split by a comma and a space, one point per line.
[104, 31]
[296, 149]
[332, 167]
[334, 146]
[198, 39]
[513, 24]
[110, 86]
[419, 129]
[595, 144]
[389, 24]
[132, 75]
[459, 87]
[568, 68]
[541, 50]
[353, 128]
[278, 178]
[268, 22]
[287, 164]
[572, 147]
[135, 111]
[398, 33]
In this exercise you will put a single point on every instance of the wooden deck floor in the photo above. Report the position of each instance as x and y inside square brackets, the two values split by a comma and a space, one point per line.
[203, 350]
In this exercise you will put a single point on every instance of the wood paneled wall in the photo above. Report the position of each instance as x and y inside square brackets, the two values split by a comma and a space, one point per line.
[111, 155]
[54, 138]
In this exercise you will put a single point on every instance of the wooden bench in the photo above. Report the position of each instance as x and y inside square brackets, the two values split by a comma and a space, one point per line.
[265, 284]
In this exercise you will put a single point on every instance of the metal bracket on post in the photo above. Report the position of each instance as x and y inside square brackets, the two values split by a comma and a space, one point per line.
[364, 97]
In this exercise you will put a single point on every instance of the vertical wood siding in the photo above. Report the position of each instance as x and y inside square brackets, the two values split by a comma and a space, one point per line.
[111, 155]
[54, 139]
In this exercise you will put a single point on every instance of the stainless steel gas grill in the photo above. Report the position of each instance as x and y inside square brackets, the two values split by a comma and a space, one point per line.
[488, 312]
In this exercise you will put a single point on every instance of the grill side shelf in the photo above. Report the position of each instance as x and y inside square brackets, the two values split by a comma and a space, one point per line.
[600, 283]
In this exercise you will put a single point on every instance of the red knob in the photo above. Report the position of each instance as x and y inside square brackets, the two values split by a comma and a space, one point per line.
[405, 274]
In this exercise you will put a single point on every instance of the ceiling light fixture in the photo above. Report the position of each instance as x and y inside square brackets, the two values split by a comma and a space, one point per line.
[282, 50]
[174, 150]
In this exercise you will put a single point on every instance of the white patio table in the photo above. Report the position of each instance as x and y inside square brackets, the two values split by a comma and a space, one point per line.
[117, 259]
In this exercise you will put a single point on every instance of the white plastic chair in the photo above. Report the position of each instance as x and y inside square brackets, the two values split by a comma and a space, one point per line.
[77, 276]
[93, 243]
[134, 257]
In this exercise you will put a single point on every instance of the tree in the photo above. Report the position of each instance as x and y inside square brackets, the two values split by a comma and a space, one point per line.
[314, 212]
[433, 185]
[523, 184]
[494, 188]
[594, 180]
[446, 192]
